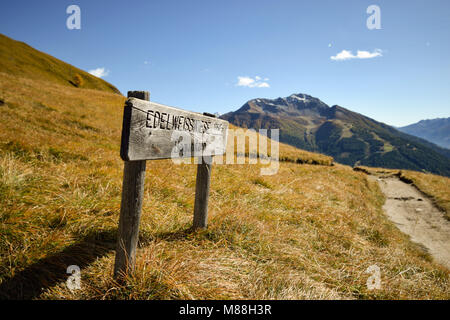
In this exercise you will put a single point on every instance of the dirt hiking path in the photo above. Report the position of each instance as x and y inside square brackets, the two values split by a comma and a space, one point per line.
[416, 215]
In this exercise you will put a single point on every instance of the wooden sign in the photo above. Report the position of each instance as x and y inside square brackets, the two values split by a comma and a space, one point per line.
[155, 131]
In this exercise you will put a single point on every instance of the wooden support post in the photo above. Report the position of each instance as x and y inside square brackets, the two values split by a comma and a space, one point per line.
[202, 190]
[130, 209]
[202, 194]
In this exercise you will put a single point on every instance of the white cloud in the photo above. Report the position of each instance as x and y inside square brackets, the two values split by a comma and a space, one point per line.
[369, 55]
[343, 55]
[347, 55]
[245, 81]
[252, 83]
[99, 72]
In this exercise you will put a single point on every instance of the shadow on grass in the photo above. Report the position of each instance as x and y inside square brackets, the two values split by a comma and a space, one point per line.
[31, 282]
[181, 234]
[49, 271]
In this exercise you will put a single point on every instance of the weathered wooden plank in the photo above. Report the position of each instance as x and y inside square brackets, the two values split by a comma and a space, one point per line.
[130, 209]
[155, 131]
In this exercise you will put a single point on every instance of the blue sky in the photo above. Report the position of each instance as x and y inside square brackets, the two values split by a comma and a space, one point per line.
[190, 54]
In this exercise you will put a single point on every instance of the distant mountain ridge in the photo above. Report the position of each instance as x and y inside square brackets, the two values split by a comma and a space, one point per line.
[434, 130]
[351, 138]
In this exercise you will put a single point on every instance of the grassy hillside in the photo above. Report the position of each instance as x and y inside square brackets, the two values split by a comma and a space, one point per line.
[309, 231]
[19, 59]
[287, 153]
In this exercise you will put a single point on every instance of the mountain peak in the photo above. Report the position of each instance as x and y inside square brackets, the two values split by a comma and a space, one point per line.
[293, 105]
[351, 138]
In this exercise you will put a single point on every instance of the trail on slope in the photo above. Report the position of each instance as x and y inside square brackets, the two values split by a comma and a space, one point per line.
[416, 215]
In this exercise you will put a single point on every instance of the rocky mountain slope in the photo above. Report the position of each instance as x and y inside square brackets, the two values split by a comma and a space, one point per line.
[351, 138]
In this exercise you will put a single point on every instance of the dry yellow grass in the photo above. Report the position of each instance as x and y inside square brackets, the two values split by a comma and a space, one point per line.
[287, 153]
[308, 232]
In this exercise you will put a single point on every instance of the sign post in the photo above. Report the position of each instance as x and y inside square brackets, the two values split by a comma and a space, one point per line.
[130, 208]
[153, 131]
[202, 193]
